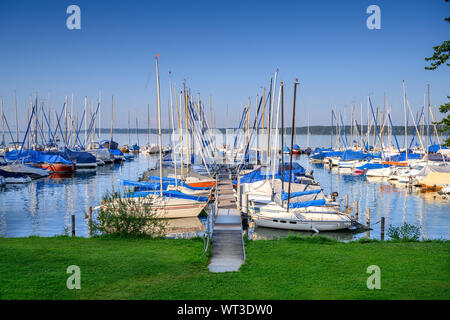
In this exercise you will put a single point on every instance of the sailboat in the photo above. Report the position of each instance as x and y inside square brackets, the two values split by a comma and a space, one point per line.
[303, 207]
[165, 201]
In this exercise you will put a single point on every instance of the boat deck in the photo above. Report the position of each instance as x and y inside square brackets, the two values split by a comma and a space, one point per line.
[227, 244]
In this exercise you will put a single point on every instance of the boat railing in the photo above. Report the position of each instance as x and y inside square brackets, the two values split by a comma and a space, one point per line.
[211, 219]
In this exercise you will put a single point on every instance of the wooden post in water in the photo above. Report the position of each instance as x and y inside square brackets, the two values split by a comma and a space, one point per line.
[368, 217]
[239, 191]
[90, 220]
[73, 225]
[244, 208]
[346, 201]
[356, 208]
[382, 228]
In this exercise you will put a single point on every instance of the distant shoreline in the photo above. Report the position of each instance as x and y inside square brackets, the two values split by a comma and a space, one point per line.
[315, 130]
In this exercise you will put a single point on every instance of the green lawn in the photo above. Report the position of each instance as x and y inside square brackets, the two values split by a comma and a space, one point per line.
[35, 268]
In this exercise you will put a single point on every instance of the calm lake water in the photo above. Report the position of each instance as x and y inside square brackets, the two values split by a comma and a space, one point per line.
[44, 207]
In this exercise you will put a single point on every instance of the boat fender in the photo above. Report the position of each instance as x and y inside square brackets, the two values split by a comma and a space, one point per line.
[315, 230]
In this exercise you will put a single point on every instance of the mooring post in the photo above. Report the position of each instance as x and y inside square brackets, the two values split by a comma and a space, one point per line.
[382, 228]
[368, 217]
[245, 203]
[239, 191]
[73, 225]
[90, 220]
[356, 208]
[346, 201]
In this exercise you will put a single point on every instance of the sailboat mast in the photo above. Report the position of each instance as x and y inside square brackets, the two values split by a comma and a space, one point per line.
[112, 116]
[282, 136]
[99, 115]
[332, 129]
[262, 129]
[158, 103]
[292, 142]
[85, 121]
[173, 128]
[17, 119]
[3, 124]
[188, 155]
[137, 133]
[406, 123]
[148, 125]
[180, 128]
[428, 121]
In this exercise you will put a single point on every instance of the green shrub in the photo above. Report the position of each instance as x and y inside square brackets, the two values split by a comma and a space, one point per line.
[407, 232]
[127, 217]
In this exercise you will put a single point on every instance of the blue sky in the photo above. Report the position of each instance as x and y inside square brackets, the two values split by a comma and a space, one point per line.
[227, 49]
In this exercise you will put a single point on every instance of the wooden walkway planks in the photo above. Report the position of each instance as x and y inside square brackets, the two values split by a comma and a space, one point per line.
[227, 248]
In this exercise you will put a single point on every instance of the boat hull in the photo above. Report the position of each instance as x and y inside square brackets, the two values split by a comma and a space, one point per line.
[57, 167]
[168, 208]
[290, 224]
[303, 219]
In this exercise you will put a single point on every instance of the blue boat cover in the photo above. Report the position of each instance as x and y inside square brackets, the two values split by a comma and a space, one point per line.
[258, 175]
[79, 156]
[178, 181]
[155, 184]
[109, 144]
[369, 166]
[334, 154]
[320, 154]
[435, 148]
[144, 185]
[402, 156]
[168, 194]
[355, 155]
[34, 156]
[284, 195]
[305, 204]
[116, 152]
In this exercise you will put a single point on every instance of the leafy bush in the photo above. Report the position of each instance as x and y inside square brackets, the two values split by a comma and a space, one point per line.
[127, 217]
[407, 232]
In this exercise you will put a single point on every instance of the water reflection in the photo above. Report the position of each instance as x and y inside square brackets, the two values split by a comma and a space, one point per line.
[44, 207]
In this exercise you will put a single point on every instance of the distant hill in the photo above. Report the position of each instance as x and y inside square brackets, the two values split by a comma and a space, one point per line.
[316, 130]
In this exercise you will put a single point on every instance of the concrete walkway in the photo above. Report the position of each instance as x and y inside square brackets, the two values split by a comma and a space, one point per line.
[227, 249]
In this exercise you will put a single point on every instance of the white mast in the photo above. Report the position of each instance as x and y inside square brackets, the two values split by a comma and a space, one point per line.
[406, 123]
[17, 121]
[159, 123]
[85, 121]
[99, 114]
[173, 129]
[276, 137]
[112, 117]
[3, 124]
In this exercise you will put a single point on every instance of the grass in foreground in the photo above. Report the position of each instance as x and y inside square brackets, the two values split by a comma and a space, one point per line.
[35, 268]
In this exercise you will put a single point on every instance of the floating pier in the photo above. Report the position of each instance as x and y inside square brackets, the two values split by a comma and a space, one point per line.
[227, 247]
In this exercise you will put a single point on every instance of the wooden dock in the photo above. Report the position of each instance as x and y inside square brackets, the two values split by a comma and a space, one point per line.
[227, 246]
